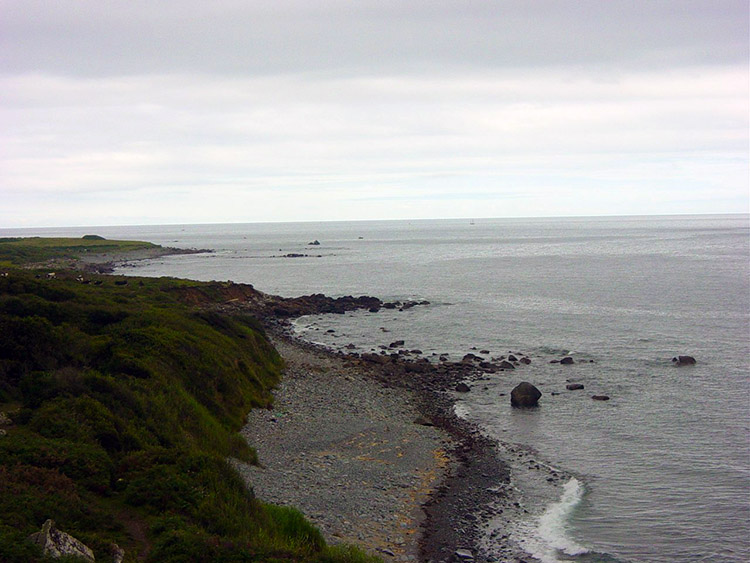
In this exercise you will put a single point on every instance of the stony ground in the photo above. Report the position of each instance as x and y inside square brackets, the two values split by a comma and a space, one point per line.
[351, 454]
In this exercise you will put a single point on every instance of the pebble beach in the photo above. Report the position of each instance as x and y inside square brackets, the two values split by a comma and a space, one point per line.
[371, 462]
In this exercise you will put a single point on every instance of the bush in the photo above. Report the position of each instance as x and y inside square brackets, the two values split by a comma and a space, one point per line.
[131, 403]
[86, 464]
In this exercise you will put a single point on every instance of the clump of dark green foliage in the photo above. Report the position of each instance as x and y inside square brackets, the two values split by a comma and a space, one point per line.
[125, 405]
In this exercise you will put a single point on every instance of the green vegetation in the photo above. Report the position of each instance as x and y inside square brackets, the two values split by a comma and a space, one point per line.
[125, 404]
[19, 251]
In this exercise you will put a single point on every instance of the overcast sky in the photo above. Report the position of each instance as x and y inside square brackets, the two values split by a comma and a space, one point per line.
[144, 112]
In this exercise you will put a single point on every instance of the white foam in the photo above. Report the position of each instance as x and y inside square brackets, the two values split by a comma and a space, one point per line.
[546, 538]
[552, 525]
[461, 411]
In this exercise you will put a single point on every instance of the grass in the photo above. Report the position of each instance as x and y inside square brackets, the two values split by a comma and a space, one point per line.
[127, 401]
[18, 251]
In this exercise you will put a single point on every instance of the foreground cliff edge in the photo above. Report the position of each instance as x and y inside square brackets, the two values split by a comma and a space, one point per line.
[122, 401]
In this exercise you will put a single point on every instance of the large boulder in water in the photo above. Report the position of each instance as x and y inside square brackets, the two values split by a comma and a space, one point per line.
[525, 395]
[684, 360]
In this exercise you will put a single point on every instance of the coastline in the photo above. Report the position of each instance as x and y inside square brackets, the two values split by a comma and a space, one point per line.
[435, 488]
[107, 263]
[479, 406]
[448, 483]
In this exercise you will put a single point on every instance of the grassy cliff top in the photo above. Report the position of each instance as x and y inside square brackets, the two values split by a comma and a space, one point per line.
[36, 250]
[121, 402]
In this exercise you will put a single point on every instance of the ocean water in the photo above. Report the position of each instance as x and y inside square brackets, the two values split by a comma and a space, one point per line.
[661, 471]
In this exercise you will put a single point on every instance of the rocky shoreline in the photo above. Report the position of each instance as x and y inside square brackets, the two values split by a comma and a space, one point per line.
[107, 263]
[309, 465]
[421, 499]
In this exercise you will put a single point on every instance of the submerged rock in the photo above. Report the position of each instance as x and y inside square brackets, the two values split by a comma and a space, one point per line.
[525, 395]
[574, 386]
[567, 360]
[463, 388]
[600, 397]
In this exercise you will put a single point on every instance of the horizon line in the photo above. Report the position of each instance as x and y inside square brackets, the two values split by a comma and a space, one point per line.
[381, 220]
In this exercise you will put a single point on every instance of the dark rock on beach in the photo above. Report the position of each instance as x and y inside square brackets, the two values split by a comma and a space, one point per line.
[525, 395]
[462, 388]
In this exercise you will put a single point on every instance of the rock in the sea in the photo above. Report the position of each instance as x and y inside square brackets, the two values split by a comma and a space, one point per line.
[567, 360]
[505, 364]
[683, 360]
[316, 242]
[525, 360]
[574, 386]
[55, 543]
[525, 395]
[600, 397]
[463, 388]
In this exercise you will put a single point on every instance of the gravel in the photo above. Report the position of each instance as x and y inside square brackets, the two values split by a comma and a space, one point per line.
[348, 452]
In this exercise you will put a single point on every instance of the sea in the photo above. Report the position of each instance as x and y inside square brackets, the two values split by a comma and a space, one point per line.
[660, 472]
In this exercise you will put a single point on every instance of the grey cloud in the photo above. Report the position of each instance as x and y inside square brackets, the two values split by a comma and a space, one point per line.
[105, 38]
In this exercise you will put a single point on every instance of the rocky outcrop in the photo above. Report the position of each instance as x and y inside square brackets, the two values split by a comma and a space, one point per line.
[317, 304]
[567, 360]
[683, 361]
[525, 395]
[118, 553]
[55, 543]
